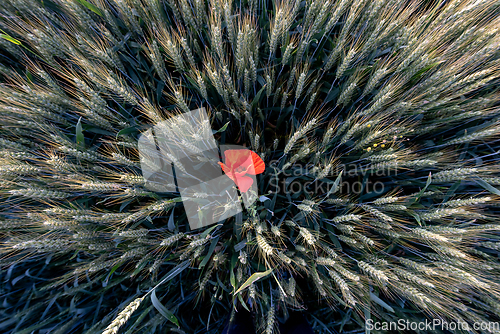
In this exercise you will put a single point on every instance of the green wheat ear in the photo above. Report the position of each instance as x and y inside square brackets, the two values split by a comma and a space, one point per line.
[378, 122]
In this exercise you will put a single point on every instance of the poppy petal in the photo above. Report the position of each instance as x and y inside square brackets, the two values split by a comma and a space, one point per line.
[224, 167]
[257, 165]
[246, 162]
[228, 172]
[244, 183]
[234, 158]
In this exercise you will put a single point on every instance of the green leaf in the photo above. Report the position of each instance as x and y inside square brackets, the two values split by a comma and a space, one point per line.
[335, 186]
[124, 205]
[80, 139]
[232, 279]
[379, 301]
[75, 254]
[91, 7]
[239, 246]
[332, 95]
[368, 315]
[207, 232]
[221, 129]
[171, 274]
[29, 76]
[344, 320]
[10, 39]
[210, 252]
[264, 198]
[163, 310]
[416, 216]
[452, 190]
[429, 180]
[243, 303]
[127, 131]
[99, 131]
[159, 90]
[487, 186]
[222, 285]
[257, 98]
[171, 222]
[115, 267]
[139, 268]
[254, 278]
[332, 237]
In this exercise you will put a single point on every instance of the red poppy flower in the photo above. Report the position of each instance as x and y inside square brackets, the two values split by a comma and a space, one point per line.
[239, 163]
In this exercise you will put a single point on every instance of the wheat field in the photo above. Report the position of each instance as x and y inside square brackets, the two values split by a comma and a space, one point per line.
[377, 122]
